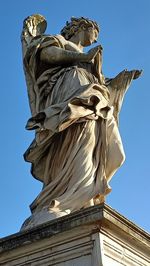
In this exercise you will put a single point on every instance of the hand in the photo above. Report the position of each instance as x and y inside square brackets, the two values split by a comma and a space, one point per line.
[93, 52]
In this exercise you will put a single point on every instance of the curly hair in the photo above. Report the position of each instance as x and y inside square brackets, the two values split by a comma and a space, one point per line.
[76, 24]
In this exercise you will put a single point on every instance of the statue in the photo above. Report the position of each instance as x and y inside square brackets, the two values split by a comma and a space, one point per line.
[75, 111]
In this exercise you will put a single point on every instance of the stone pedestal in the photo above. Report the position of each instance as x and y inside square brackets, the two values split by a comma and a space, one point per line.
[96, 236]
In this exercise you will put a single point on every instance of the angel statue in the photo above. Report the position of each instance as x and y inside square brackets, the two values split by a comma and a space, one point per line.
[77, 146]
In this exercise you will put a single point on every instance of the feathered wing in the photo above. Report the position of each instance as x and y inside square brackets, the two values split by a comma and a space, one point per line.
[33, 28]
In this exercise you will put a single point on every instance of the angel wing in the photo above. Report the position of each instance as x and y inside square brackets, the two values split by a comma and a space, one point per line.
[33, 27]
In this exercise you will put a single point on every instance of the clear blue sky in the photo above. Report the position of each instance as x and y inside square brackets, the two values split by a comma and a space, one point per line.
[125, 36]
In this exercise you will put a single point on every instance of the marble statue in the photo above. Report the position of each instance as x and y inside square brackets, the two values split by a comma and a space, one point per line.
[75, 110]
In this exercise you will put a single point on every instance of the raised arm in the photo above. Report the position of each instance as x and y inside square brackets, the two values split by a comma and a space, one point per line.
[55, 55]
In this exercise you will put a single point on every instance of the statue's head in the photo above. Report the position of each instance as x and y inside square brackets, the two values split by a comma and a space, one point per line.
[87, 27]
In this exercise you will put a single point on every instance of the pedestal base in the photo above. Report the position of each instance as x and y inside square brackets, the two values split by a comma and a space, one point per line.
[96, 236]
[41, 217]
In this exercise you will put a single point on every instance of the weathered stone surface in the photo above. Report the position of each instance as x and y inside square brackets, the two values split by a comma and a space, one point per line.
[75, 112]
[94, 236]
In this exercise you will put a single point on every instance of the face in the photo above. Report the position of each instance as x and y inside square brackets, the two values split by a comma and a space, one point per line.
[88, 35]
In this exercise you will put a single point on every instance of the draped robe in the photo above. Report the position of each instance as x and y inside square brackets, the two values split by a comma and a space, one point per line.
[77, 146]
